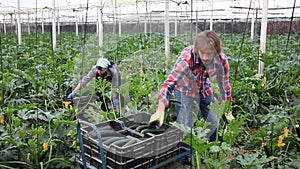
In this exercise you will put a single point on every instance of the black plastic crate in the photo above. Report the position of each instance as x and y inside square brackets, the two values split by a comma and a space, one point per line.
[162, 142]
[122, 155]
[151, 149]
[171, 153]
[141, 163]
[117, 126]
[167, 140]
[95, 162]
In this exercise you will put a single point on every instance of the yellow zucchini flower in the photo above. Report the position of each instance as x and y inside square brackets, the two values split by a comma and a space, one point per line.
[45, 146]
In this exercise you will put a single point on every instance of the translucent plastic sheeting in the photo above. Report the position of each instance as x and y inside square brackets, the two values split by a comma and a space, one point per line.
[132, 10]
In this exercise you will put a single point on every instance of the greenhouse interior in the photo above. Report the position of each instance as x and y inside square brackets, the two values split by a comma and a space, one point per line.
[159, 84]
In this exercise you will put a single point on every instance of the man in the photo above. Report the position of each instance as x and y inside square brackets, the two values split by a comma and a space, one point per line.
[190, 77]
[103, 70]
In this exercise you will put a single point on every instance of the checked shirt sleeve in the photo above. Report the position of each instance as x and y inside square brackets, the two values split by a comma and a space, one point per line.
[179, 70]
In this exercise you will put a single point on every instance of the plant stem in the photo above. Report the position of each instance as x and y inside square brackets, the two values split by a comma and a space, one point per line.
[287, 147]
[198, 161]
[272, 131]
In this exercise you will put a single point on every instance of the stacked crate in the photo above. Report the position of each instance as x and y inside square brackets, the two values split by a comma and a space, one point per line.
[151, 150]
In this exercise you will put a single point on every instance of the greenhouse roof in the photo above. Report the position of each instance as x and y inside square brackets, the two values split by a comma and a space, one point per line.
[141, 10]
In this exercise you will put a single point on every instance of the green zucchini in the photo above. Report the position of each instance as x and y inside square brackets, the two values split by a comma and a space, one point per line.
[153, 131]
[134, 126]
[142, 127]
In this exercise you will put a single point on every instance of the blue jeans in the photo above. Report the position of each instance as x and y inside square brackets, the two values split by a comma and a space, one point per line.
[177, 96]
[184, 112]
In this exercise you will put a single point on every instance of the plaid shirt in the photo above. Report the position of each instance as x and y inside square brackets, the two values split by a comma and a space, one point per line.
[191, 77]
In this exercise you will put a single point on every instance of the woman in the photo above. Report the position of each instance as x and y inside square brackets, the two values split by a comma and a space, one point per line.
[104, 70]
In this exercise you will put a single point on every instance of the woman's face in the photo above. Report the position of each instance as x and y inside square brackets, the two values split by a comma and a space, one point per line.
[206, 55]
[101, 71]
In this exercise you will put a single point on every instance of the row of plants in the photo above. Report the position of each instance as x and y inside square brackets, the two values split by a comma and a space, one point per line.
[38, 131]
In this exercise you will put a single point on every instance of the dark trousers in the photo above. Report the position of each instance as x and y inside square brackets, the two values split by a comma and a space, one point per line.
[106, 103]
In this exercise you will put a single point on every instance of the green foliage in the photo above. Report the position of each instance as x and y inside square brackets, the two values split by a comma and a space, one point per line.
[249, 161]
[233, 129]
[34, 85]
[34, 81]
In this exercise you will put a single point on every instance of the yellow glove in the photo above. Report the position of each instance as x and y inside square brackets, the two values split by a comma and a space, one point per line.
[229, 116]
[157, 116]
